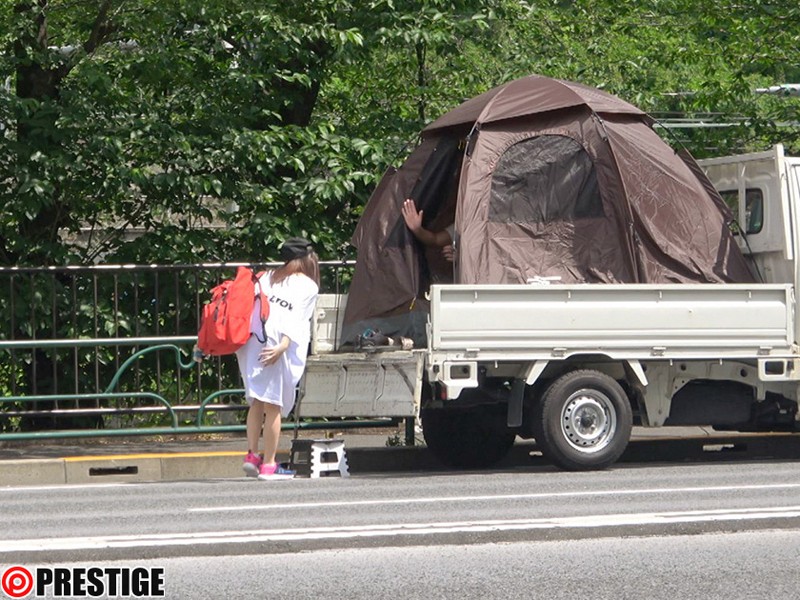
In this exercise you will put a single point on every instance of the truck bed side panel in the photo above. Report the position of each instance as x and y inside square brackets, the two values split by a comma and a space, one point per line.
[621, 321]
[380, 384]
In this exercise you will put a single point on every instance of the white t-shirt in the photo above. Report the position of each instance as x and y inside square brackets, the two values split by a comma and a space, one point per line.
[291, 305]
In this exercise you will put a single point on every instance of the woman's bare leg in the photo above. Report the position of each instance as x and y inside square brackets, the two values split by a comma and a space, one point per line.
[255, 422]
[272, 431]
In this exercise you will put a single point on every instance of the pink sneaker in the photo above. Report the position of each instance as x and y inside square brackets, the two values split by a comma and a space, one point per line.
[251, 464]
[276, 471]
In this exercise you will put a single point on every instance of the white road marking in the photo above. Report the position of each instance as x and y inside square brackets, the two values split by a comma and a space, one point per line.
[539, 496]
[394, 530]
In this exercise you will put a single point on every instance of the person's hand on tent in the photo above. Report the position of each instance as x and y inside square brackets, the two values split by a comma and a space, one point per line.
[413, 219]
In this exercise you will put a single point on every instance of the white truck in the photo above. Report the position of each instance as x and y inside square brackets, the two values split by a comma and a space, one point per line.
[576, 366]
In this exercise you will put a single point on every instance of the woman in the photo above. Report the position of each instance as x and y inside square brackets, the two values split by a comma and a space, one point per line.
[273, 359]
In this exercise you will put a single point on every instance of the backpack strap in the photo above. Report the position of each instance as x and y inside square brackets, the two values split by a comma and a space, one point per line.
[263, 296]
[263, 305]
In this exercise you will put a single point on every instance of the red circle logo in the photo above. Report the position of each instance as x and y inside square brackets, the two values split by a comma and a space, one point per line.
[17, 582]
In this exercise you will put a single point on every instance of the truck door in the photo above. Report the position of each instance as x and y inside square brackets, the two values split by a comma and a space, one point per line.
[757, 187]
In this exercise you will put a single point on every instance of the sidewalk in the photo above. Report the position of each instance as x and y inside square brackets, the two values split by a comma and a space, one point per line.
[113, 460]
[180, 458]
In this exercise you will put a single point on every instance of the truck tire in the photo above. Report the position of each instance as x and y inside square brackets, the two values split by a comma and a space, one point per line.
[583, 421]
[470, 438]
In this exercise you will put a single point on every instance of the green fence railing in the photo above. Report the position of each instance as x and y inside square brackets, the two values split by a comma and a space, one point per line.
[105, 350]
[160, 403]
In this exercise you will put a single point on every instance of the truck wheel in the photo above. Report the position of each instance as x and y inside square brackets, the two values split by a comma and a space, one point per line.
[467, 438]
[583, 421]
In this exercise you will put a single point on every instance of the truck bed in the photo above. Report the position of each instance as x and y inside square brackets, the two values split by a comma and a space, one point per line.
[625, 321]
[355, 384]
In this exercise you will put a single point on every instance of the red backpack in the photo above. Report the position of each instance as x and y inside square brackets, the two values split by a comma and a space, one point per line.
[226, 319]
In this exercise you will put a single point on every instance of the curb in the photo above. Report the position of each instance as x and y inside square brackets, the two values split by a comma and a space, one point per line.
[140, 468]
[118, 469]
[227, 464]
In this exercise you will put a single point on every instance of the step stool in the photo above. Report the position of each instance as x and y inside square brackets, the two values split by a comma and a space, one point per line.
[318, 458]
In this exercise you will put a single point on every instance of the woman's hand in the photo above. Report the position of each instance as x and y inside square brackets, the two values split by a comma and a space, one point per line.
[270, 354]
[197, 354]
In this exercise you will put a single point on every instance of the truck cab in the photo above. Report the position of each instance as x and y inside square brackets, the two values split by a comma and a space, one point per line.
[763, 190]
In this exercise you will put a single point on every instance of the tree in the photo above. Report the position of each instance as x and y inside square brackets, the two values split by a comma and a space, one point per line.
[193, 125]
[672, 58]
[176, 131]
[132, 126]
[164, 118]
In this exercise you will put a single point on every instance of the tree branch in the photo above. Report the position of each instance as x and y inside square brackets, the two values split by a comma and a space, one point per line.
[101, 28]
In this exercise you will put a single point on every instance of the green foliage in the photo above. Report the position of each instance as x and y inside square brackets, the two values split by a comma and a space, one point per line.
[202, 130]
[185, 131]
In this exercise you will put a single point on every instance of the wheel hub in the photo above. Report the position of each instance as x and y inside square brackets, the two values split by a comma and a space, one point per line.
[588, 420]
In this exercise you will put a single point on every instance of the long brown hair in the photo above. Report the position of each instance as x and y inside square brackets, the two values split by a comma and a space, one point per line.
[308, 265]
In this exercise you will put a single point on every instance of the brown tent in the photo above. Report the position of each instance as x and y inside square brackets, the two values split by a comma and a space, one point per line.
[545, 178]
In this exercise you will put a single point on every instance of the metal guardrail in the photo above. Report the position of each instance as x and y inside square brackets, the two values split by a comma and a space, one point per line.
[160, 306]
[171, 411]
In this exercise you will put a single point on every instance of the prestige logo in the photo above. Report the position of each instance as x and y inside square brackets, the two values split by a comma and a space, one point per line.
[17, 582]
[80, 582]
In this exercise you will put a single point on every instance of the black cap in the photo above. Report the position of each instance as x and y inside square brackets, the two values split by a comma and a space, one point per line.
[295, 247]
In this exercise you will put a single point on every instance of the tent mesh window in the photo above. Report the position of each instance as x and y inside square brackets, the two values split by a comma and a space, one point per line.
[544, 179]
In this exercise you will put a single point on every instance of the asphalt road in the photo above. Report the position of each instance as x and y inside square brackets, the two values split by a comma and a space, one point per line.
[730, 566]
[518, 504]
[716, 525]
